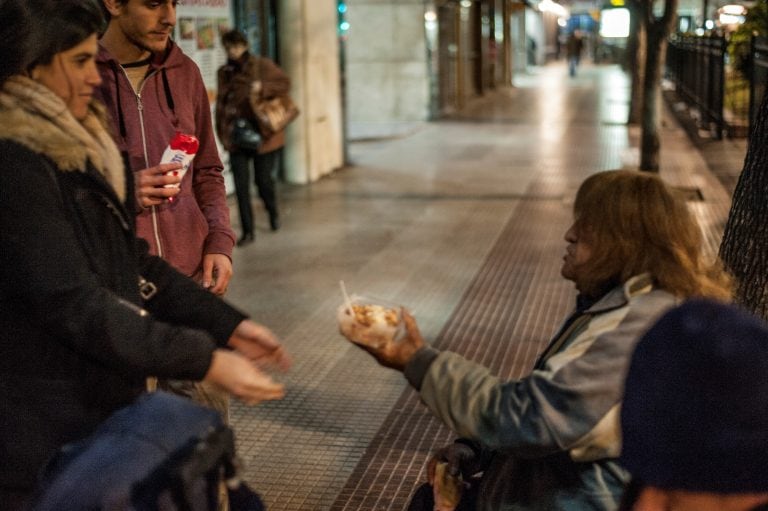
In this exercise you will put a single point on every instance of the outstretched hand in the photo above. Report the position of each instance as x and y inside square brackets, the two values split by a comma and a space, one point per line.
[398, 353]
[238, 376]
[258, 344]
[240, 371]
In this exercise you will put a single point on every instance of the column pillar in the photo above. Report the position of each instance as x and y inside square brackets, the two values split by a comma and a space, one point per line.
[309, 51]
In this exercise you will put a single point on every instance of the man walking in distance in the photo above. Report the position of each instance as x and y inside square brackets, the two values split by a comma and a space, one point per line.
[152, 91]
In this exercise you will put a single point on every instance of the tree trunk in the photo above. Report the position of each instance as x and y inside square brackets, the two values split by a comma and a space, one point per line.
[636, 51]
[649, 140]
[656, 33]
[744, 249]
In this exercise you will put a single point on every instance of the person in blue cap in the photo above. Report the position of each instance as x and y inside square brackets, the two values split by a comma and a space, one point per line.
[694, 419]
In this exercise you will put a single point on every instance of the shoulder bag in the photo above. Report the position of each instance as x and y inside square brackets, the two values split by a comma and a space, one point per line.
[273, 114]
[245, 135]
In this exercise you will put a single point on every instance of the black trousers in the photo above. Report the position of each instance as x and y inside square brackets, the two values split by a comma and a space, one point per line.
[265, 170]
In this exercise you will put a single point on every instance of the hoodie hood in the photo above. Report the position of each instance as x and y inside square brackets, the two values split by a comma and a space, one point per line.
[161, 63]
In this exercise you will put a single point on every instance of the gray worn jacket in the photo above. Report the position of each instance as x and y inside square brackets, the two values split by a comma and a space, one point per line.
[552, 438]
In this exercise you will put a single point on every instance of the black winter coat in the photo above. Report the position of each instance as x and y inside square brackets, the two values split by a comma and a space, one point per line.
[77, 339]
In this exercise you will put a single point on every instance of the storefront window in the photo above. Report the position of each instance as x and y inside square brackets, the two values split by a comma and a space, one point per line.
[257, 19]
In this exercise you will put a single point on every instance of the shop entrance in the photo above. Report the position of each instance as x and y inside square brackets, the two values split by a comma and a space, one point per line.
[258, 20]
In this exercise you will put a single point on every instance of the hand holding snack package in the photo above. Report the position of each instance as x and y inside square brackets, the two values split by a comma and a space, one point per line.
[386, 331]
[181, 149]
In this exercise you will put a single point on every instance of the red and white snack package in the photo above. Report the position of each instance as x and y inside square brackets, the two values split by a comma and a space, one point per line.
[370, 322]
[181, 149]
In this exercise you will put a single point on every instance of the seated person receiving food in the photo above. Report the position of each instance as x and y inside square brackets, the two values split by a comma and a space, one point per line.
[550, 441]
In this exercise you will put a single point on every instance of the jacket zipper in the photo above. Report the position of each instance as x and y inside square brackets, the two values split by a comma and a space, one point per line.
[140, 107]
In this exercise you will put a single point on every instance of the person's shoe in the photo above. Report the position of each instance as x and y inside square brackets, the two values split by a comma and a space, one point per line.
[274, 222]
[246, 239]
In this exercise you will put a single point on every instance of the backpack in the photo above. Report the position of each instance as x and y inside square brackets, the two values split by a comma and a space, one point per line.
[163, 452]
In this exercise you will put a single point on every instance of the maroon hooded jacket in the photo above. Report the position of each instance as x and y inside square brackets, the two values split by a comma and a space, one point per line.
[172, 98]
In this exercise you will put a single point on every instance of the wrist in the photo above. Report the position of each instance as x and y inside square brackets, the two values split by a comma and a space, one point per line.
[417, 366]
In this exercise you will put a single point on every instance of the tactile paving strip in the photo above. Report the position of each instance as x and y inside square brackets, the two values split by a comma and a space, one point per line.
[505, 317]
[349, 435]
[503, 320]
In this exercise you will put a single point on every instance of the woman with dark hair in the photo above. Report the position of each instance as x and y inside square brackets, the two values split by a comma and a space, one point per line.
[239, 80]
[15, 25]
[85, 313]
[551, 441]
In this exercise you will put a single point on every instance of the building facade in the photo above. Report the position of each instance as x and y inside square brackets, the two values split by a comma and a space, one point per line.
[371, 68]
[300, 35]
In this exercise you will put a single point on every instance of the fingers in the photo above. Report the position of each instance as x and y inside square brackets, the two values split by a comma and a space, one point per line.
[208, 274]
[249, 332]
[152, 196]
[261, 388]
[260, 345]
[444, 455]
[217, 272]
[239, 377]
[221, 282]
[158, 184]
[281, 359]
[277, 359]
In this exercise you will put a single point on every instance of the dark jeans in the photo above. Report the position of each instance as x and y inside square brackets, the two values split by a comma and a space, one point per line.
[265, 170]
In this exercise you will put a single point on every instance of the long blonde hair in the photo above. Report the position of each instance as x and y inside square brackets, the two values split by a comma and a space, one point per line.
[636, 224]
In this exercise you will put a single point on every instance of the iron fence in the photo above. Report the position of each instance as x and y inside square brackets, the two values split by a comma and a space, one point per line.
[724, 87]
[697, 67]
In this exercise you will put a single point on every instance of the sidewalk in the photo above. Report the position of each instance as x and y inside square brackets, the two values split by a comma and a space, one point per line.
[462, 222]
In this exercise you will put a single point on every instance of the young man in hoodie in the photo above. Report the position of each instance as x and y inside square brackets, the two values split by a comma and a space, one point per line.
[153, 91]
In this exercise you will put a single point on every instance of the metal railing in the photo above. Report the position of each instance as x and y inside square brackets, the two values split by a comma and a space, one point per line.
[724, 89]
[697, 67]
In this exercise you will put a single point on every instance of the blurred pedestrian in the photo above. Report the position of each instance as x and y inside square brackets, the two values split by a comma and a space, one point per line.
[241, 81]
[87, 314]
[550, 441]
[574, 46]
[695, 415]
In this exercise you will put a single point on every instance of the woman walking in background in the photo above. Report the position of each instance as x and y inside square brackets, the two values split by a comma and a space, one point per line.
[243, 78]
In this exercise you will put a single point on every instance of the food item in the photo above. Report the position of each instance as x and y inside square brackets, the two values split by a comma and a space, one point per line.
[181, 149]
[369, 315]
[368, 323]
[447, 488]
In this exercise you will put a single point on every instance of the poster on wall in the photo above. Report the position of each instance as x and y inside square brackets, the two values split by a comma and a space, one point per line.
[199, 26]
